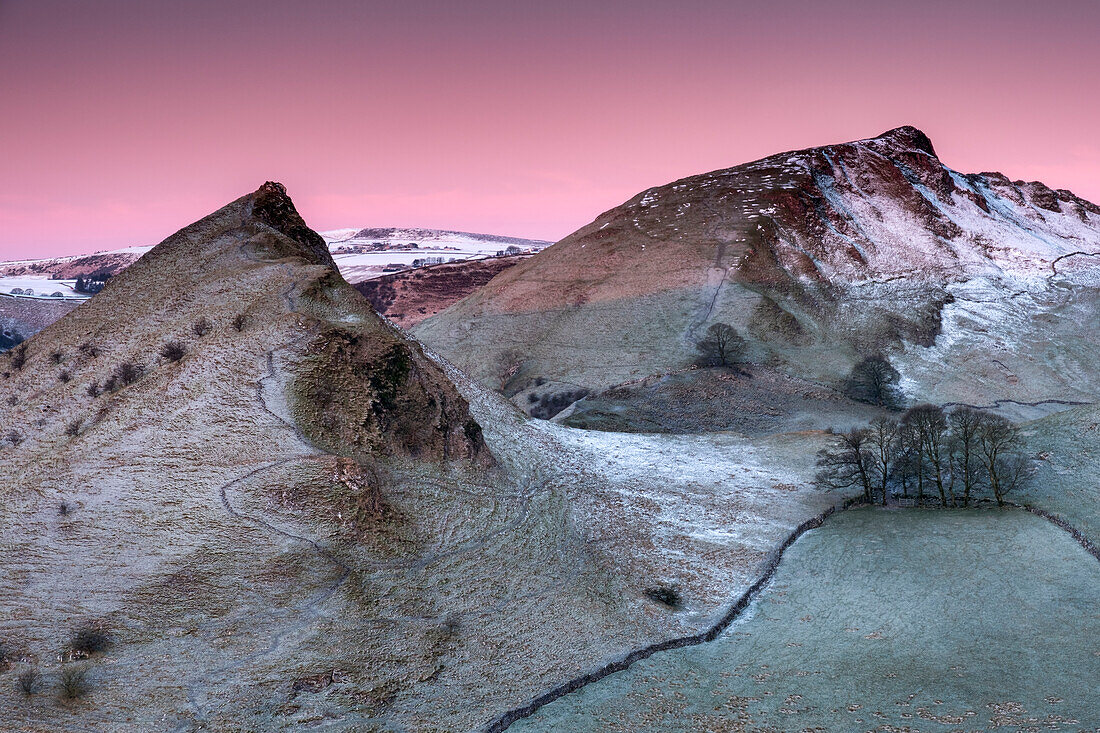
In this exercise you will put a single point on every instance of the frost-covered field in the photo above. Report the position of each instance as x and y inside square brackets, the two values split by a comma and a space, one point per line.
[41, 287]
[346, 245]
[884, 620]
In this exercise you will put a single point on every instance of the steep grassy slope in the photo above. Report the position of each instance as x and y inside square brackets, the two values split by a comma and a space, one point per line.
[817, 257]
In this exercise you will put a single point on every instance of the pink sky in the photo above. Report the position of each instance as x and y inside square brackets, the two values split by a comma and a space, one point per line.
[122, 121]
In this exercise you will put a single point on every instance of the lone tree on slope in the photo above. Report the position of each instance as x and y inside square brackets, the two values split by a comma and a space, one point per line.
[721, 346]
[874, 380]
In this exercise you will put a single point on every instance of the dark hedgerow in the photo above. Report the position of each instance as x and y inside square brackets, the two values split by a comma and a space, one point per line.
[550, 404]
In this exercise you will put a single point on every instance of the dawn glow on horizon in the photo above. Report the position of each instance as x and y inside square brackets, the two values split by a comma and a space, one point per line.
[124, 121]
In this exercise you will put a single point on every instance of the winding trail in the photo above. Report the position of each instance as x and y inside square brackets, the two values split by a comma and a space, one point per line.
[502, 723]
[308, 610]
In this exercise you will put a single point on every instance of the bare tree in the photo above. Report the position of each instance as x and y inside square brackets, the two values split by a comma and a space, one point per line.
[874, 380]
[965, 422]
[1013, 471]
[721, 346]
[909, 462]
[849, 465]
[883, 439]
[998, 437]
[928, 426]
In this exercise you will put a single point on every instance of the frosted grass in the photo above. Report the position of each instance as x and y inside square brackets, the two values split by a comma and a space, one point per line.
[926, 620]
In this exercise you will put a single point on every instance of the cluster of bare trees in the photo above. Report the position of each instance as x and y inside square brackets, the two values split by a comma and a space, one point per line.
[929, 454]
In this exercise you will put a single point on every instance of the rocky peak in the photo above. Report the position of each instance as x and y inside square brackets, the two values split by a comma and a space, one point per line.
[907, 137]
[272, 206]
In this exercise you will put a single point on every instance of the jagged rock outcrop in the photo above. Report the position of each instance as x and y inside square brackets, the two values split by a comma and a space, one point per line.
[203, 273]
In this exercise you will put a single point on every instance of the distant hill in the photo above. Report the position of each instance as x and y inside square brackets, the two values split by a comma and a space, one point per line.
[409, 296]
[417, 235]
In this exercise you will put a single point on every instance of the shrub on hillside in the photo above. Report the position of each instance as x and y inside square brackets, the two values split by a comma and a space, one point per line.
[665, 595]
[124, 375]
[28, 680]
[172, 350]
[91, 639]
[74, 681]
[19, 357]
[201, 327]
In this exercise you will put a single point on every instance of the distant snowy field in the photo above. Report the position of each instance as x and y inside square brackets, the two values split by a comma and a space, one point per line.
[31, 286]
[361, 254]
[357, 253]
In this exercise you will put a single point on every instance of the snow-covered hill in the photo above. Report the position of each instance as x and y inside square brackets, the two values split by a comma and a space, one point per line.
[363, 254]
[360, 253]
